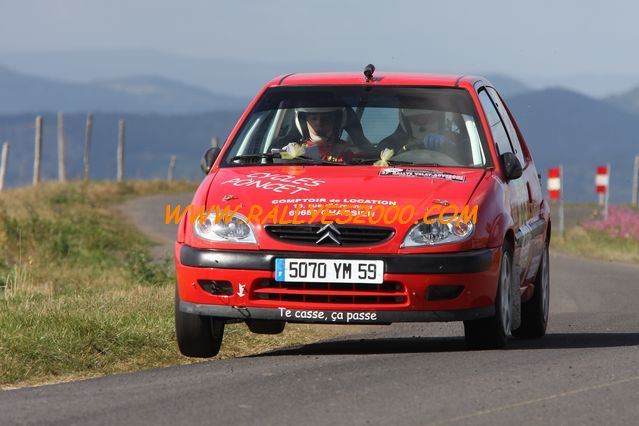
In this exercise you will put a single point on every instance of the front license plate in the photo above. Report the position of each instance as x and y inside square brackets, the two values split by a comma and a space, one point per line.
[329, 271]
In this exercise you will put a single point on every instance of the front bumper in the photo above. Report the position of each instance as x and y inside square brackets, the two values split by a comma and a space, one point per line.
[476, 271]
[335, 317]
[432, 263]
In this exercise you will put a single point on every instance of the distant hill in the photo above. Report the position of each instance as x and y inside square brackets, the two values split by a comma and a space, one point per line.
[146, 94]
[235, 77]
[596, 85]
[628, 101]
[506, 85]
[238, 78]
[580, 132]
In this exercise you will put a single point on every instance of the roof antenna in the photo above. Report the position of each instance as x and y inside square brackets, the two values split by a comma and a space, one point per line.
[368, 72]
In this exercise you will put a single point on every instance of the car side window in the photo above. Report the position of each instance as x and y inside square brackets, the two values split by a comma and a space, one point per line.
[514, 140]
[497, 128]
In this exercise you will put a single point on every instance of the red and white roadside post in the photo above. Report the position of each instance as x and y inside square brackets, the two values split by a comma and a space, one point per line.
[554, 184]
[602, 185]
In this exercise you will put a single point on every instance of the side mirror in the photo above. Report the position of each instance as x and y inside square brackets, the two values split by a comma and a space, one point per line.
[512, 166]
[209, 158]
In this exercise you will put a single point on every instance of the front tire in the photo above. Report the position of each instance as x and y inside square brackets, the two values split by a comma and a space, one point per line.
[198, 336]
[493, 332]
[534, 313]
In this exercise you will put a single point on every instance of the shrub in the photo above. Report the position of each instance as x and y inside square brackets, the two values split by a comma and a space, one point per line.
[622, 222]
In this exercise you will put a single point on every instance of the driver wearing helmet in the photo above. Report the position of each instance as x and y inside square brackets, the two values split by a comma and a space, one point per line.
[320, 128]
[418, 129]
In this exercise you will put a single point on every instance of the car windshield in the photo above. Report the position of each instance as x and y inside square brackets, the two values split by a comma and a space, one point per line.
[360, 125]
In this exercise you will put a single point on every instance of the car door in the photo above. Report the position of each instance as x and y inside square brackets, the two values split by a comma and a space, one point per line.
[517, 189]
[535, 223]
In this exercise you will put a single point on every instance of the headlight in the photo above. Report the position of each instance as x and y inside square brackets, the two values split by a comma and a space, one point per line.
[236, 230]
[438, 233]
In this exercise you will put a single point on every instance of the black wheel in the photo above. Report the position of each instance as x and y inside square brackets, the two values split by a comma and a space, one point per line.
[492, 332]
[534, 313]
[266, 326]
[198, 336]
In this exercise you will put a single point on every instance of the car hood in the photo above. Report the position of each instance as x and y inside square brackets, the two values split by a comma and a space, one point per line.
[308, 186]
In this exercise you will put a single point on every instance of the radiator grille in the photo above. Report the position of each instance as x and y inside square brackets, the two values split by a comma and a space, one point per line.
[340, 235]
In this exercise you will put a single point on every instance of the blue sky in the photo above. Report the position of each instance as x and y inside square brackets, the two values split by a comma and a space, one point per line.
[540, 41]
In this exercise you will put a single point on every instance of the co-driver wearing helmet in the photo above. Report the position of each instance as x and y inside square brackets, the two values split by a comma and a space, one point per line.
[418, 129]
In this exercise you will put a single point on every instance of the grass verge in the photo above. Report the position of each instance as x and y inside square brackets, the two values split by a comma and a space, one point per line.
[596, 245]
[614, 238]
[79, 296]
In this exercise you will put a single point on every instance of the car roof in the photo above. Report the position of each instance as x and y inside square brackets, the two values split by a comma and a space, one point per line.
[380, 78]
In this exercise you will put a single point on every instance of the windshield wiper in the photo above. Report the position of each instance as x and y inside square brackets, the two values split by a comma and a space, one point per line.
[271, 155]
[318, 161]
[255, 156]
[394, 162]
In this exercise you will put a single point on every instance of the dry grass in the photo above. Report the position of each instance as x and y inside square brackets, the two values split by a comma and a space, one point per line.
[87, 334]
[79, 296]
[596, 245]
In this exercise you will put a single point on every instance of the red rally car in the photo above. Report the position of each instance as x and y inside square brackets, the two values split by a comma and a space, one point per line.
[350, 198]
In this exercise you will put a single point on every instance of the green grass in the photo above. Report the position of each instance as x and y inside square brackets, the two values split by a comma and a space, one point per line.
[596, 245]
[79, 295]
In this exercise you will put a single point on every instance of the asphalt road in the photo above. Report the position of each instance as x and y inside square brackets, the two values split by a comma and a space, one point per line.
[585, 371]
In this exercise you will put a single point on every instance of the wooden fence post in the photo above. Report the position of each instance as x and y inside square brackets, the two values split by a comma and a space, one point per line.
[120, 153]
[3, 163]
[62, 173]
[87, 146]
[171, 169]
[38, 150]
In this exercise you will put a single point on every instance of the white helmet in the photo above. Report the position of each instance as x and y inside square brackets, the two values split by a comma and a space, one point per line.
[300, 119]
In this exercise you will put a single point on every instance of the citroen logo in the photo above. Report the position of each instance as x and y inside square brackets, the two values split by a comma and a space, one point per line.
[329, 231]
